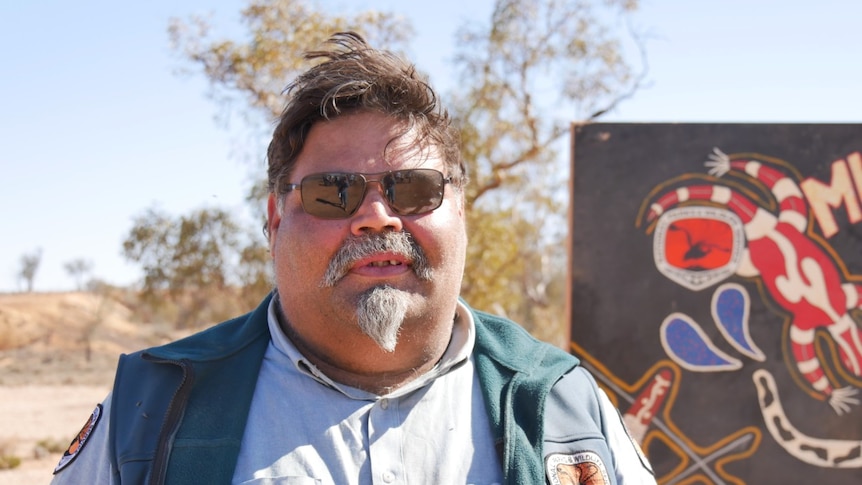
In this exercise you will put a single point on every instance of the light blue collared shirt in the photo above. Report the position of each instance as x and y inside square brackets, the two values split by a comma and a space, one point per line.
[305, 428]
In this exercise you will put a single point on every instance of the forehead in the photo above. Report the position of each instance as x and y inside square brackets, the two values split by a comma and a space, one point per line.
[363, 142]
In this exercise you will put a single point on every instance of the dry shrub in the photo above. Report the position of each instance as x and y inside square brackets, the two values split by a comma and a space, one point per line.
[8, 460]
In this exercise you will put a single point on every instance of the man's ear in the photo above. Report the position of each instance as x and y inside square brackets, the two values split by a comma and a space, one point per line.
[273, 220]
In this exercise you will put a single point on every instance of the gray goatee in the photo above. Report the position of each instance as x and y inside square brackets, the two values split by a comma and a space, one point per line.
[380, 314]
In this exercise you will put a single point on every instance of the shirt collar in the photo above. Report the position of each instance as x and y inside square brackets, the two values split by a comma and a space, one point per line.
[459, 350]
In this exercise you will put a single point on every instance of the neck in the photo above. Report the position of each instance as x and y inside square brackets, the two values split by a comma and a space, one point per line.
[357, 361]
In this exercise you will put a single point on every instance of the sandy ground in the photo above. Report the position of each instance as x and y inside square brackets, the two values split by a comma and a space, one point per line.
[33, 413]
[58, 352]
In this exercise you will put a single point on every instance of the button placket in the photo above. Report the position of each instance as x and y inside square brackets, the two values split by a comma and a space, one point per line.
[385, 441]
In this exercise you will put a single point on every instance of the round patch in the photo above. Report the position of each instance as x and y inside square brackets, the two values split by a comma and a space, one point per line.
[584, 468]
[80, 440]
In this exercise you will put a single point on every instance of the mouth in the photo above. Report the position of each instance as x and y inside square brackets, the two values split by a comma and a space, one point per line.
[381, 265]
[389, 255]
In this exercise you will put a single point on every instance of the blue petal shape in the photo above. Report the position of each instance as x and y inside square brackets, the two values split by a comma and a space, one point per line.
[687, 344]
[730, 304]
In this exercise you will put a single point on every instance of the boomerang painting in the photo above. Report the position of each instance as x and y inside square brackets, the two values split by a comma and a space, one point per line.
[717, 294]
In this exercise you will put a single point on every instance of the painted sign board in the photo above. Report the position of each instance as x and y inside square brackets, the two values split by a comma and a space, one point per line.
[717, 294]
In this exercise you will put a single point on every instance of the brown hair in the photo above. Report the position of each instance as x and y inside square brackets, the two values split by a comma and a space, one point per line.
[356, 77]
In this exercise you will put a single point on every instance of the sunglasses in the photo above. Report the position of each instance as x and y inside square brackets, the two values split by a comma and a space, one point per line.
[337, 195]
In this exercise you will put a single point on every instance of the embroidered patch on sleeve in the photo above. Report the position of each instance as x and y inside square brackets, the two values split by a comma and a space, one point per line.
[80, 440]
[584, 468]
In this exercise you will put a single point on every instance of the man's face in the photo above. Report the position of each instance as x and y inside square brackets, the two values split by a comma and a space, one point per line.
[323, 303]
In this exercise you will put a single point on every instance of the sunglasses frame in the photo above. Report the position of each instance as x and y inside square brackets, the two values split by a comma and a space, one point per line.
[382, 180]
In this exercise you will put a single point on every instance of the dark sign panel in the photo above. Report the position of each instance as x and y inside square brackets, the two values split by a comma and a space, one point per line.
[717, 294]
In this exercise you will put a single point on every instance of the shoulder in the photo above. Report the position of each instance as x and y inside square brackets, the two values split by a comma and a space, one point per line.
[574, 403]
[578, 412]
[506, 341]
[219, 340]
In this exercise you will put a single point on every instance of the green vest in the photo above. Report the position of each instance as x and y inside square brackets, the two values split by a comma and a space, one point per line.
[178, 411]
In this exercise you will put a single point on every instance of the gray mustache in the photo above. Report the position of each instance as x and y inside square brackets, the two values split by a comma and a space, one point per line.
[356, 248]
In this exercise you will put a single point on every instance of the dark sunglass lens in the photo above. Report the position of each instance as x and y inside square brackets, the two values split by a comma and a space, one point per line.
[414, 191]
[332, 195]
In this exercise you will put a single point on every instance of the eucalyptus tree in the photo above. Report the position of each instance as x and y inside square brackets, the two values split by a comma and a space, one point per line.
[521, 78]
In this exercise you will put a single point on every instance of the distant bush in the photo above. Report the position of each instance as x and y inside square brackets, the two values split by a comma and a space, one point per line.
[51, 445]
[7, 459]
[8, 462]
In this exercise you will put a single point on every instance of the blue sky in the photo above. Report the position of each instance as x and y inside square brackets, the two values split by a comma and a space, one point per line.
[97, 126]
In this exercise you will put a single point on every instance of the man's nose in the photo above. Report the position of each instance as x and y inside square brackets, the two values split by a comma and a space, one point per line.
[374, 213]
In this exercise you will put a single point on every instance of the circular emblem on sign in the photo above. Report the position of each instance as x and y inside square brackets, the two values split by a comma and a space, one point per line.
[698, 246]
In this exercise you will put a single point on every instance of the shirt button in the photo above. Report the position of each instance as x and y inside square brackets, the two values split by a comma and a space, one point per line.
[384, 403]
[388, 477]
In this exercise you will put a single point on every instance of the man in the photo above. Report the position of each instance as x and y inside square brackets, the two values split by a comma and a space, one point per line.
[363, 366]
